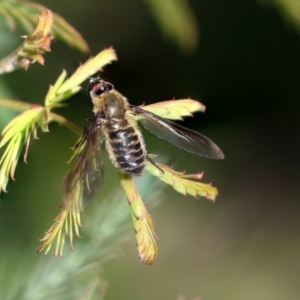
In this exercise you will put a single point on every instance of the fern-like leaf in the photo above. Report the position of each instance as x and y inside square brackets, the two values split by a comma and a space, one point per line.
[142, 222]
[175, 109]
[183, 183]
[65, 224]
[89, 68]
[15, 135]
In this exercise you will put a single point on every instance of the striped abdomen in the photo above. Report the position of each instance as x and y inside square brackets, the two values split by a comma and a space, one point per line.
[125, 147]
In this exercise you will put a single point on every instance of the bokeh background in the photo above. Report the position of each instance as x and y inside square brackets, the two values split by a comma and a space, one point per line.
[242, 60]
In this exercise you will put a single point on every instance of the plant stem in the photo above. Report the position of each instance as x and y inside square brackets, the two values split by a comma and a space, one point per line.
[63, 121]
[16, 104]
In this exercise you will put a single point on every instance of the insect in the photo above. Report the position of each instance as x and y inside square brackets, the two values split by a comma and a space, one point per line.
[114, 130]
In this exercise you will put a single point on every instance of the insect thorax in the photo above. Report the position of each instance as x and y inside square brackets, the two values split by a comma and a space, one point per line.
[112, 104]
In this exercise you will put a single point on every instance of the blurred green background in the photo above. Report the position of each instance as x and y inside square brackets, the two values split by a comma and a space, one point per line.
[245, 68]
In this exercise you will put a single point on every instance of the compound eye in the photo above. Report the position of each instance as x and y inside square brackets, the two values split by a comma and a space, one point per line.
[102, 87]
[99, 89]
[109, 86]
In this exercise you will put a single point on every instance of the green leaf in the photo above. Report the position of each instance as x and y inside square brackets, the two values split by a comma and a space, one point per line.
[177, 20]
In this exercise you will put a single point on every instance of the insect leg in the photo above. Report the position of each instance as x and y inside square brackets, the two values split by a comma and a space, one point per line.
[154, 164]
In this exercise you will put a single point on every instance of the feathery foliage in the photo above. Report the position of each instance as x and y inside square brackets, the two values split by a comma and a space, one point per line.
[17, 134]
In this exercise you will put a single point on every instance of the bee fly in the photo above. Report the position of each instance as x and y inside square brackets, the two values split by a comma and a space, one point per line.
[124, 142]
[113, 125]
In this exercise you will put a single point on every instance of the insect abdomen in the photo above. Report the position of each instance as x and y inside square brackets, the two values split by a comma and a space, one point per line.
[126, 148]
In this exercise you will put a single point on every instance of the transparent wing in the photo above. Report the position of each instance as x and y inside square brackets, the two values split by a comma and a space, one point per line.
[180, 136]
[85, 179]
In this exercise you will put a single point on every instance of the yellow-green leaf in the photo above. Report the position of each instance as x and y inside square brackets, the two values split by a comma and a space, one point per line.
[142, 222]
[183, 183]
[14, 136]
[65, 223]
[89, 68]
[175, 109]
[20, 123]
[54, 97]
[52, 92]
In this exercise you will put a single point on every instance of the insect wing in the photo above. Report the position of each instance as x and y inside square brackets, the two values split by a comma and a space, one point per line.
[180, 136]
[84, 181]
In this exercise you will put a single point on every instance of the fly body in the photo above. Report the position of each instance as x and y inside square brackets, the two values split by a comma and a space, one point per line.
[124, 143]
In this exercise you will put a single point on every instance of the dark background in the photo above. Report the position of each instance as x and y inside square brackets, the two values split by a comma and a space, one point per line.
[246, 71]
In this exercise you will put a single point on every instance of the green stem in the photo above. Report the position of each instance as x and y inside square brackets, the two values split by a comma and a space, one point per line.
[63, 121]
[12, 62]
[16, 104]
